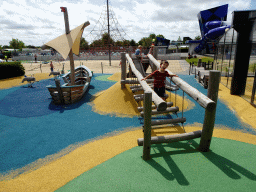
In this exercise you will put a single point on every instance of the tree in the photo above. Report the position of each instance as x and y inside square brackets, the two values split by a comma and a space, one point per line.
[152, 36]
[119, 43]
[179, 39]
[126, 42]
[31, 46]
[84, 44]
[145, 41]
[197, 37]
[161, 36]
[16, 44]
[133, 43]
[96, 43]
[6, 47]
[104, 39]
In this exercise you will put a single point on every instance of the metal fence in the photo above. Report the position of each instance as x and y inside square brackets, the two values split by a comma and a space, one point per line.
[224, 61]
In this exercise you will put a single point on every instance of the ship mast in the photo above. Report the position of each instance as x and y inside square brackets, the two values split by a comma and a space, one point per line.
[72, 66]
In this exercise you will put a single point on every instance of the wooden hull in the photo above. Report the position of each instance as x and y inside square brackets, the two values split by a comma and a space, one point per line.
[68, 94]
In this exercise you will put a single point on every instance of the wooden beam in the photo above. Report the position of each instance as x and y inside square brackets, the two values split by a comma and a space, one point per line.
[172, 138]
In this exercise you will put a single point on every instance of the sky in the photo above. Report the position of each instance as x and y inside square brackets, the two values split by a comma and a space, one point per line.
[36, 22]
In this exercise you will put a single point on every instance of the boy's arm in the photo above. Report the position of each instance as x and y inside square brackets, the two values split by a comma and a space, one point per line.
[174, 75]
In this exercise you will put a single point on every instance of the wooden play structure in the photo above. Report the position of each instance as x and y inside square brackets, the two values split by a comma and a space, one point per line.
[77, 81]
[67, 93]
[160, 106]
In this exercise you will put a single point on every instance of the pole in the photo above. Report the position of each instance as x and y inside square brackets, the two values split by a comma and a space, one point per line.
[209, 118]
[147, 125]
[109, 53]
[72, 67]
[123, 70]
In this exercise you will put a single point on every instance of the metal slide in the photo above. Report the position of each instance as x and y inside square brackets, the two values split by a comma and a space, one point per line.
[139, 67]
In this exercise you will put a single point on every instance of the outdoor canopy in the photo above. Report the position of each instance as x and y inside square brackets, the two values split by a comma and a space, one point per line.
[65, 42]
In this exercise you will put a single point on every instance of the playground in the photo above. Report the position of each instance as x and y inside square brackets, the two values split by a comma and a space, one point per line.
[92, 145]
[105, 128]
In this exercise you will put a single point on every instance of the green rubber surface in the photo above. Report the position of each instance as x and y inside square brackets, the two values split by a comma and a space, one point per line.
[104, 78]
[229, 166]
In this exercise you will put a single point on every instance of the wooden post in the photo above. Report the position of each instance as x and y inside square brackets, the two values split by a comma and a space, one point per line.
[58, 86]
[209, 118]
[147, 125]
[101, 67]
[123, 70]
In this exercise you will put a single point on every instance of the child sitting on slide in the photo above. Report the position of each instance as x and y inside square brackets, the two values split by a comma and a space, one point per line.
[159, 79]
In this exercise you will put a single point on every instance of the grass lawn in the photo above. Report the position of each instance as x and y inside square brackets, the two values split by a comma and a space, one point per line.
[204, 59]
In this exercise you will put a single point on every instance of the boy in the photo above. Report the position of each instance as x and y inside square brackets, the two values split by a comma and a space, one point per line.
[138, 51]
[51, 66]
[159, 79]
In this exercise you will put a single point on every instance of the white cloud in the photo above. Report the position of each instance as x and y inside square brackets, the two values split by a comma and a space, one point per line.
[38, 21]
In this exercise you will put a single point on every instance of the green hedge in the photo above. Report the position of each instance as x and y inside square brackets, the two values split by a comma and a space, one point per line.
[204, 59]
[11, 69]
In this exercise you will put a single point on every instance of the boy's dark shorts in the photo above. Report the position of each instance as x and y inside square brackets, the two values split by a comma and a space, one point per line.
[160, 91]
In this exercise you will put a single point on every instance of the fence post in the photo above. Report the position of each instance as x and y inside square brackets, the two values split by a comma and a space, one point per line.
[199, 63]
[123, 70]
[209, 118]
[147, 103]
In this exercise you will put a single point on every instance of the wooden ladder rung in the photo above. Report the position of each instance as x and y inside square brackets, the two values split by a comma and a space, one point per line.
[168, 121]
[168, 110]
[172, 138]
[169, 104]
[140, 97]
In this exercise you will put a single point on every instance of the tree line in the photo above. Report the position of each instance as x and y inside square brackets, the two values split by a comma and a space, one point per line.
[102, 42]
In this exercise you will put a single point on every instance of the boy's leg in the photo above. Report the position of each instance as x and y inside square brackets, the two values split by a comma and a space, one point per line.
[162, 93]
